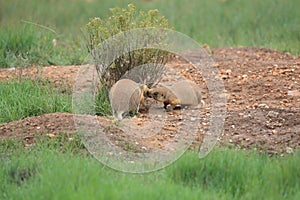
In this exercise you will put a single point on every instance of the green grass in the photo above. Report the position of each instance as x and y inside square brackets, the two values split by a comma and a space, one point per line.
[103, 107]
[271, 23]
[242, 175]
[33, 98]
[30, 98]
[22, 47]
[26, 45]
[53, 170]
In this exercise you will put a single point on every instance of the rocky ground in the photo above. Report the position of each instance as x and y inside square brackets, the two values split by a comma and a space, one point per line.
[262, 88]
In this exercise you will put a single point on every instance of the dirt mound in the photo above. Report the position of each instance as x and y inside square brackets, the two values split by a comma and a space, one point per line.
[263, 100]
[31, 127]
[267, 129]
[53, 124]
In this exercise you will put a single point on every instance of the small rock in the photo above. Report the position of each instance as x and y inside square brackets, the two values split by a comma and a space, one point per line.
[54, 42]
[179, 123]
[273, 114]
[262, 105]
[144, 148]
[224, 77]
[50, 135]
[289, 150]
[228, 72]
[193, 119]
[28, 145]
[293, 93]
[244, 76]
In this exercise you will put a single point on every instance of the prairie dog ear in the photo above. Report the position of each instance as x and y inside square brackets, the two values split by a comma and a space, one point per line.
[144, 89]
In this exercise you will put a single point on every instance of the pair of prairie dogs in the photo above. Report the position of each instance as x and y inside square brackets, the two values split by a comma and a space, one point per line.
[126, 96]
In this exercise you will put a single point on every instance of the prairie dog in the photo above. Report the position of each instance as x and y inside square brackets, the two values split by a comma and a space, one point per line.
[182, 93]
[126, 96]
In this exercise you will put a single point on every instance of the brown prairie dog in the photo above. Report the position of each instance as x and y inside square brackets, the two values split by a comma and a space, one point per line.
[182, 93]
[126, 96]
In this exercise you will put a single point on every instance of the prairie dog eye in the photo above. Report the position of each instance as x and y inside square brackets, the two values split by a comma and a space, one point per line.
[155, 93]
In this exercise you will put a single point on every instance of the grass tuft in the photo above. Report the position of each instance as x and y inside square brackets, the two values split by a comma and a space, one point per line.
[29, 98]
[240, 175]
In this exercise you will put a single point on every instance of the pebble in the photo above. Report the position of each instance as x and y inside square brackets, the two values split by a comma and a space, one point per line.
[272, 114]
[289, 150]
[193, 119]
[50, 135]
[262, 105]
[274, 131]
[228, 71]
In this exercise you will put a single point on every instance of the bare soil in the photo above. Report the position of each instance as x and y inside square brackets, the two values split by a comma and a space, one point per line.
[263, 103]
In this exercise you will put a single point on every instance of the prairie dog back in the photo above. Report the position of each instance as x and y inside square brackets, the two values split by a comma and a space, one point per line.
[125, 97]
[187, 92]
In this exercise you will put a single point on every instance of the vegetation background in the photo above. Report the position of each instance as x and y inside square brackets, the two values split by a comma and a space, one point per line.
[271, 23]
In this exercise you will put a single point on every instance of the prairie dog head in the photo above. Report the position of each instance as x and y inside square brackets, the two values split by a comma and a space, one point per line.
[158, 94]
